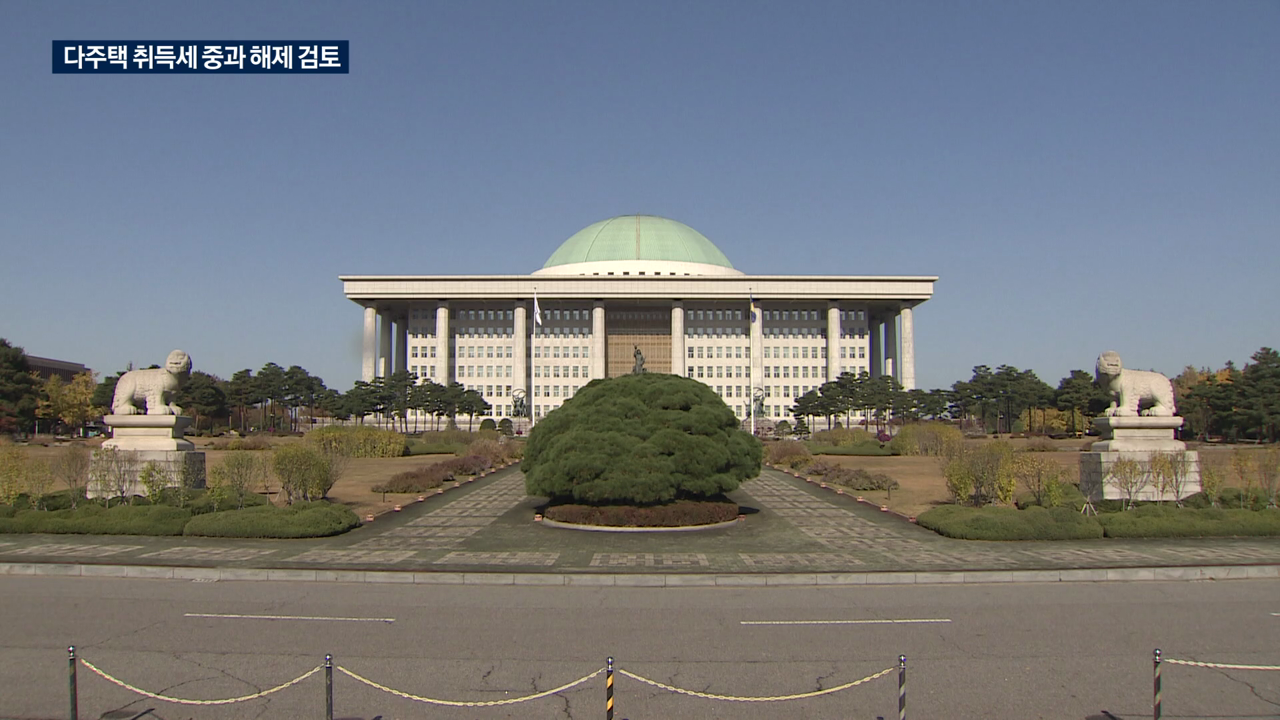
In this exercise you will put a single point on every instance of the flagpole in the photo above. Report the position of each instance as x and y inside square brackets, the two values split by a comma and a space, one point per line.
[537, 323]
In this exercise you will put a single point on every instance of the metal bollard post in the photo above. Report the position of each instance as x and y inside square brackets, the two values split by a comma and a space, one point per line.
[902, 687]
[1155, 701]
[608, 689]
[71, 682]
[328, 687]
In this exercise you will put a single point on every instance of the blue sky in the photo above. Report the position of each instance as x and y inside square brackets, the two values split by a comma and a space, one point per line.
[1082, 176]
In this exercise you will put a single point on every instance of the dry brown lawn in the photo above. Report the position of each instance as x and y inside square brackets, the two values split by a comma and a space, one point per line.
[354, 489]
[924, 487]
[920, 478]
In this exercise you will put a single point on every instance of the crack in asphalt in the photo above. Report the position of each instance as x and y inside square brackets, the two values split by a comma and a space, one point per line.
[819, 684]
[1249, 685]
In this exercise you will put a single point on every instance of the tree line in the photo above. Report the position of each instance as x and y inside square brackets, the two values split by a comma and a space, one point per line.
[1230, 402]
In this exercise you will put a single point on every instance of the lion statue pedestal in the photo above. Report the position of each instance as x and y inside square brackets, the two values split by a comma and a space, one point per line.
[156, 435]
[1138, 426]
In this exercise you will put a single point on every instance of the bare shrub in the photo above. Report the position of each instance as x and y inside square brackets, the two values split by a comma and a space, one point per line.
[1131, 476]
[114, 472]
[788, 453]
[71, 466]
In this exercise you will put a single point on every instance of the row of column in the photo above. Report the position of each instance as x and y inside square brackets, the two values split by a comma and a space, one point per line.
[891, 351]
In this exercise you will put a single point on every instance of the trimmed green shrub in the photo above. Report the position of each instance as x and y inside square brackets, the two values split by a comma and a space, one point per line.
[998, 523]
[1173, 521]
[419, 447]
[300, 520]
[200, 502]
[841, 436]
[93, 519]
[488, 424]
[639, 439]
[358, 441]
[680, 513]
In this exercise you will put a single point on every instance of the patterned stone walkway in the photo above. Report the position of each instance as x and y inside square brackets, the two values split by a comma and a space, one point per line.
[791, 527]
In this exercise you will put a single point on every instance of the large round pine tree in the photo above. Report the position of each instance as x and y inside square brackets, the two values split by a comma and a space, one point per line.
[639, 439]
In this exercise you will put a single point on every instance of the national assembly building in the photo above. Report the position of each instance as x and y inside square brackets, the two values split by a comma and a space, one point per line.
[638, 291]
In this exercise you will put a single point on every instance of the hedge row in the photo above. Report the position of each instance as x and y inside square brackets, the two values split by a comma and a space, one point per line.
[996, 523]
[300, 520]
[676, 514]
[430, 477]
[852, 478]
[1066, 523]
[358, 442]
[1170, 521]
[92, 519]
[316, 519]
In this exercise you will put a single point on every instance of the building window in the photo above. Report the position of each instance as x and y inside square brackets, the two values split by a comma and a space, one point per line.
[690, 350]
[700, 372]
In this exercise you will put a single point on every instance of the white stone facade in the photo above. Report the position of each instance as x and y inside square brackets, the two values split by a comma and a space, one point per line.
[783, 335]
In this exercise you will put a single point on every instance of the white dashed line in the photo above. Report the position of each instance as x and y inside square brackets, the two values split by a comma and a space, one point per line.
[287, 617]
[912, 621]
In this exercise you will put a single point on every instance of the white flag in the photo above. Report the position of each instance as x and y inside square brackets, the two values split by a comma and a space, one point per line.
[537, 311]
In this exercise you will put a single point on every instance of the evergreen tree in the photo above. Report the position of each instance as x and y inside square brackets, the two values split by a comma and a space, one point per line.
[19, 390]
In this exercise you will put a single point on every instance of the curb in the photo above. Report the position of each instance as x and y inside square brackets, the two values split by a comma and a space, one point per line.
[1134, 574]
[546, 522]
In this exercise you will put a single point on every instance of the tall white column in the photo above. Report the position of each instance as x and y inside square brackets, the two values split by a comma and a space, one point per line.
[757, 350]
[443, 360]
[678, 361]
[402, 343]
[384, 343]
[520, 351]
[598, 347]
[873, 351]
[833, 341]
[369, 363]
[891, 347]
[908, 363]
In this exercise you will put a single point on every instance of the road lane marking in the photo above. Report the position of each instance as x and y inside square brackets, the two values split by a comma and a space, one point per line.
[910, 621]
[287, 617]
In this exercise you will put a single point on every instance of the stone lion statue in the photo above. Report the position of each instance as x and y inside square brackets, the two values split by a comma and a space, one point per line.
[153, 386]
[1134, 392]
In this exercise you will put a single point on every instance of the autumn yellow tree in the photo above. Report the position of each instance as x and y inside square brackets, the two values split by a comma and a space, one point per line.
[69, 402]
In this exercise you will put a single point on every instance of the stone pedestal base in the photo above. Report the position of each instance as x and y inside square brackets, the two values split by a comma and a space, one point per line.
[1136, 438]
[1097, 483]
[1145, 434]
[148, 438]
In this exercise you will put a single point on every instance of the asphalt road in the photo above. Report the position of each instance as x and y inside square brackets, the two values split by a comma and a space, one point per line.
[989, 651]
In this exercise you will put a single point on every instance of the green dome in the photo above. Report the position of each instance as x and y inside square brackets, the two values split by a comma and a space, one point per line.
[638, 237]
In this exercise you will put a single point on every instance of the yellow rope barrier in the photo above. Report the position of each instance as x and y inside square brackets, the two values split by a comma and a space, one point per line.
[768, 698]
[465, 703]
[183, 701]
[1220, 666]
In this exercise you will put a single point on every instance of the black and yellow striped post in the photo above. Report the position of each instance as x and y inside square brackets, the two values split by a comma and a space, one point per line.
[328, 687]
[902, 687]
[71, 683]
[1155, 700]
[608, 689]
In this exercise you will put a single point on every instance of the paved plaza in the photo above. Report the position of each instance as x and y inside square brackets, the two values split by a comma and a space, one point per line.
[487, 526]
